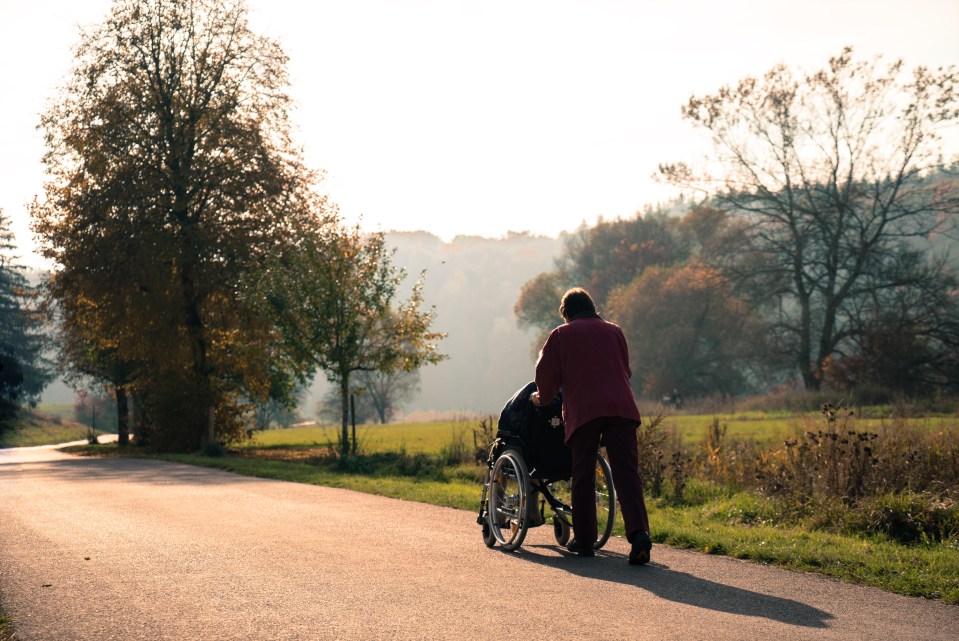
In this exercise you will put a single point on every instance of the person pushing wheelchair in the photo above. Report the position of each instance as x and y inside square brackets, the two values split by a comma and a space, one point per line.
[587, 358]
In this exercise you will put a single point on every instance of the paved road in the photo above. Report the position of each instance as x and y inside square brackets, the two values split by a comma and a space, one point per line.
[102, 549]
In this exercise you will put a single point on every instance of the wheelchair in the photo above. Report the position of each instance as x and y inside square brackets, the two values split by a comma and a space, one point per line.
[529, 468]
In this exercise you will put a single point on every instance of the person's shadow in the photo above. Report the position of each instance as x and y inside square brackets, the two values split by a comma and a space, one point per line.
[682, 587]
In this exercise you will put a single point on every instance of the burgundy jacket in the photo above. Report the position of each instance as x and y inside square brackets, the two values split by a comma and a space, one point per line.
[587, 358]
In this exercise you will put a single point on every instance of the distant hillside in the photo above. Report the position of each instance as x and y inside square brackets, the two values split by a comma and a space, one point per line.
[474, 283]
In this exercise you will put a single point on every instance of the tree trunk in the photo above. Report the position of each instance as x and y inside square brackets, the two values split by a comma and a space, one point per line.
[123, 416]
[139, 421]
[345, 415]
[353, 421]
[811, 380]
[196, 333]
[211, 425]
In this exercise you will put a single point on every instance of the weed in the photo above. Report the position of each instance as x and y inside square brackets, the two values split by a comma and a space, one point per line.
[483, 435]
[679, 474]
[651, 437]
[457, 451]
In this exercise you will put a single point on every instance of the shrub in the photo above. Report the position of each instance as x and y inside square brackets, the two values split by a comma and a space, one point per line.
[651, 437]
[900, 481]
[214, 450]
[909, 517]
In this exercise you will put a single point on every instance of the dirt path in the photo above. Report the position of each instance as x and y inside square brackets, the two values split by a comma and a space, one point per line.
[99, 549]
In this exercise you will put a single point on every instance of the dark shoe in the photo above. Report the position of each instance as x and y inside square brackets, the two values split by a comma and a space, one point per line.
[639, 553]
[581, 550]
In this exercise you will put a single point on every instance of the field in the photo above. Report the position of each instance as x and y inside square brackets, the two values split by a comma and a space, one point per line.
[414, 438]
[755, 427]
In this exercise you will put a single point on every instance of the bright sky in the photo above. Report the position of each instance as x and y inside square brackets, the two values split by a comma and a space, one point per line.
[488, 116]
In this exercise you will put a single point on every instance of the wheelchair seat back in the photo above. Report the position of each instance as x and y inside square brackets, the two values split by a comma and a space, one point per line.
[539, 433]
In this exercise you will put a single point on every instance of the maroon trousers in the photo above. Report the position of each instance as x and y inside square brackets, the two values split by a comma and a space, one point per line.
[619, 437]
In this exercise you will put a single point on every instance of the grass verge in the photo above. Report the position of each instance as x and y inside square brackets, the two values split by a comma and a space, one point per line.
[923, 570]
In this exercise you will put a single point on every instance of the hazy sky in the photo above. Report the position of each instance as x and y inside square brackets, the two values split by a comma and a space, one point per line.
[484, 117]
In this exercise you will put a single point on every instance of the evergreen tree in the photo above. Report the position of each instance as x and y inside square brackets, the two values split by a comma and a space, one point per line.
[23, 370]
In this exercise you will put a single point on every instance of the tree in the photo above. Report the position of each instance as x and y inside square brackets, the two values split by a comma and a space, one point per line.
[905, 341]
[538, 302]
[831, 173]
[172, 177]
[333, 297]
[24, 371]
[387, 392]
[600, 259]
[279, 409]
[94, 409]
[86, 349]
[614, 252]
[687, 330]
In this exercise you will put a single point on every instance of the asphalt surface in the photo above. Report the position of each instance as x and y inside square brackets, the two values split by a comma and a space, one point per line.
[103, 549]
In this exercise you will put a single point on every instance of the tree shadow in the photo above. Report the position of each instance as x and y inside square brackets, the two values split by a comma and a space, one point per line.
[140, 470]
[681, 587]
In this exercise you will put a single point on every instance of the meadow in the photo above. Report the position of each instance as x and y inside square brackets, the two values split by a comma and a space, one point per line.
[761, 428]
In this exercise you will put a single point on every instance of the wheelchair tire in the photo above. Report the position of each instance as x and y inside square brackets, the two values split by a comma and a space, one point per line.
[488, 537]
[605, 501]
[508, 510]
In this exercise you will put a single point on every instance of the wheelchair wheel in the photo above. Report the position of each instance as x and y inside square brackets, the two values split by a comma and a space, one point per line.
[605, 505]
[605, 501]
[508, 513]
[488, 537]
[561, 531]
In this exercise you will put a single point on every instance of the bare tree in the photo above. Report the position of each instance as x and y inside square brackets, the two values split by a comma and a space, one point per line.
[839, 176]
[387, 392]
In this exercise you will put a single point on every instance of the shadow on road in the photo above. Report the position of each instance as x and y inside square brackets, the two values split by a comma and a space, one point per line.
[681, 587]
[129, 469]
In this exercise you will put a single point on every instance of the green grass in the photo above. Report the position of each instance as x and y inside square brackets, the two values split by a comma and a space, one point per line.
[762, 428]
[758, 427]
[413, 438]
[929, 571]
[31, 428]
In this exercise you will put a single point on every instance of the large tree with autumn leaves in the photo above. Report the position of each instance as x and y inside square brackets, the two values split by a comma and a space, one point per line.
[172, 176]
